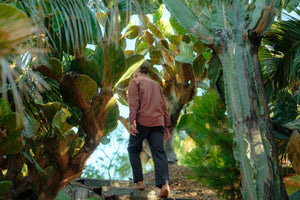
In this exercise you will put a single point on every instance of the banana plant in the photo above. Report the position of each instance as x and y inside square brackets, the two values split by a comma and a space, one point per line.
[235, 38]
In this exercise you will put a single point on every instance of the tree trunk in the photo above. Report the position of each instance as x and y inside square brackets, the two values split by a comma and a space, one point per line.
[69, 169]
[169, 149]
[253, 148]
[255, 41]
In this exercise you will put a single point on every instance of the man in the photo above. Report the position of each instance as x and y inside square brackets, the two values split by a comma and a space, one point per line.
[149, 119]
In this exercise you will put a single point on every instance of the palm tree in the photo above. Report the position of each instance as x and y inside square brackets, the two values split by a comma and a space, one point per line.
[80, 92]
[282, 57]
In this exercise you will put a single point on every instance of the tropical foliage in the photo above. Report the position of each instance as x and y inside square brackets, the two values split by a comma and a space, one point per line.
[235, 38]
[212, 160]
[58, 97]
[62, 125]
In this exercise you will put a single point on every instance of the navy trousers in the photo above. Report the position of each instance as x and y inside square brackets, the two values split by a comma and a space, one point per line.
[155, 137]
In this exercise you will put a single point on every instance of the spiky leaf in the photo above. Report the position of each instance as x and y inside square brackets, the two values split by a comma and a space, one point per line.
[187, 18]
[285, 109]
[178, 29]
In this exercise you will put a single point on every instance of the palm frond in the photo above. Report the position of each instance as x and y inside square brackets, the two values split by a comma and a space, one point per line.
[284, 40]
[74, 21]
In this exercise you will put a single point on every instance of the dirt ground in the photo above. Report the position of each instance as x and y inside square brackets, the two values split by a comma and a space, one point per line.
[184, 187]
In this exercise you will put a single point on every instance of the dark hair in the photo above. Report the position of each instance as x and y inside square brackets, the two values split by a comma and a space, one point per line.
[145, 67]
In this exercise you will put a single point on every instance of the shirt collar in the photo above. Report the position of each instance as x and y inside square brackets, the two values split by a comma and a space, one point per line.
[145, 75]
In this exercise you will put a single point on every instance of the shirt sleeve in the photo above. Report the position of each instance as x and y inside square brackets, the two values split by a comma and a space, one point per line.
[133, 100]
[167, 120]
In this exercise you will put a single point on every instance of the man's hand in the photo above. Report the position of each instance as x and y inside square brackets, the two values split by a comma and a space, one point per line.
[133, 131]
[166, 135]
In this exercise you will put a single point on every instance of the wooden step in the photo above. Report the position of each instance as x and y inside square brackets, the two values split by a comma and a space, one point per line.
[126, 197]
[110, 191]
[94, 183]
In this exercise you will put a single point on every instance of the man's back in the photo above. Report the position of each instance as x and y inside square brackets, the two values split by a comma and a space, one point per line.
[146, 101]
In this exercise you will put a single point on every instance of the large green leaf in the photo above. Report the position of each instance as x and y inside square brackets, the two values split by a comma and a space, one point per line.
[50, 109]
[55, 67]
[132, 32]
[11, 141]
[199, 66]
[159, 13]
[81, 87]
[132, 63]
[31, 126]
[5, 110]
[86, 66]
[5, 186]
[214, 70]
[285, 108]
[112, 63]
[148, 38]
[139, 7]
[59, 121]
[165, 27]
[156, 31]
[186, 54]
[156, 56]
[111, 115]
[15, 29]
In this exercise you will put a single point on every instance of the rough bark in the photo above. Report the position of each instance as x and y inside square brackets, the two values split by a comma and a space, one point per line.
[252, 131]
[255, 41]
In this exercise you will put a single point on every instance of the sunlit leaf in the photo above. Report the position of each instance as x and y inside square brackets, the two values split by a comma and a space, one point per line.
[165, 27]
[186, 54]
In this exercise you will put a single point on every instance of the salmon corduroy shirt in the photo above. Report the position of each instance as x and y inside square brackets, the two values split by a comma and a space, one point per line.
[147, 104]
